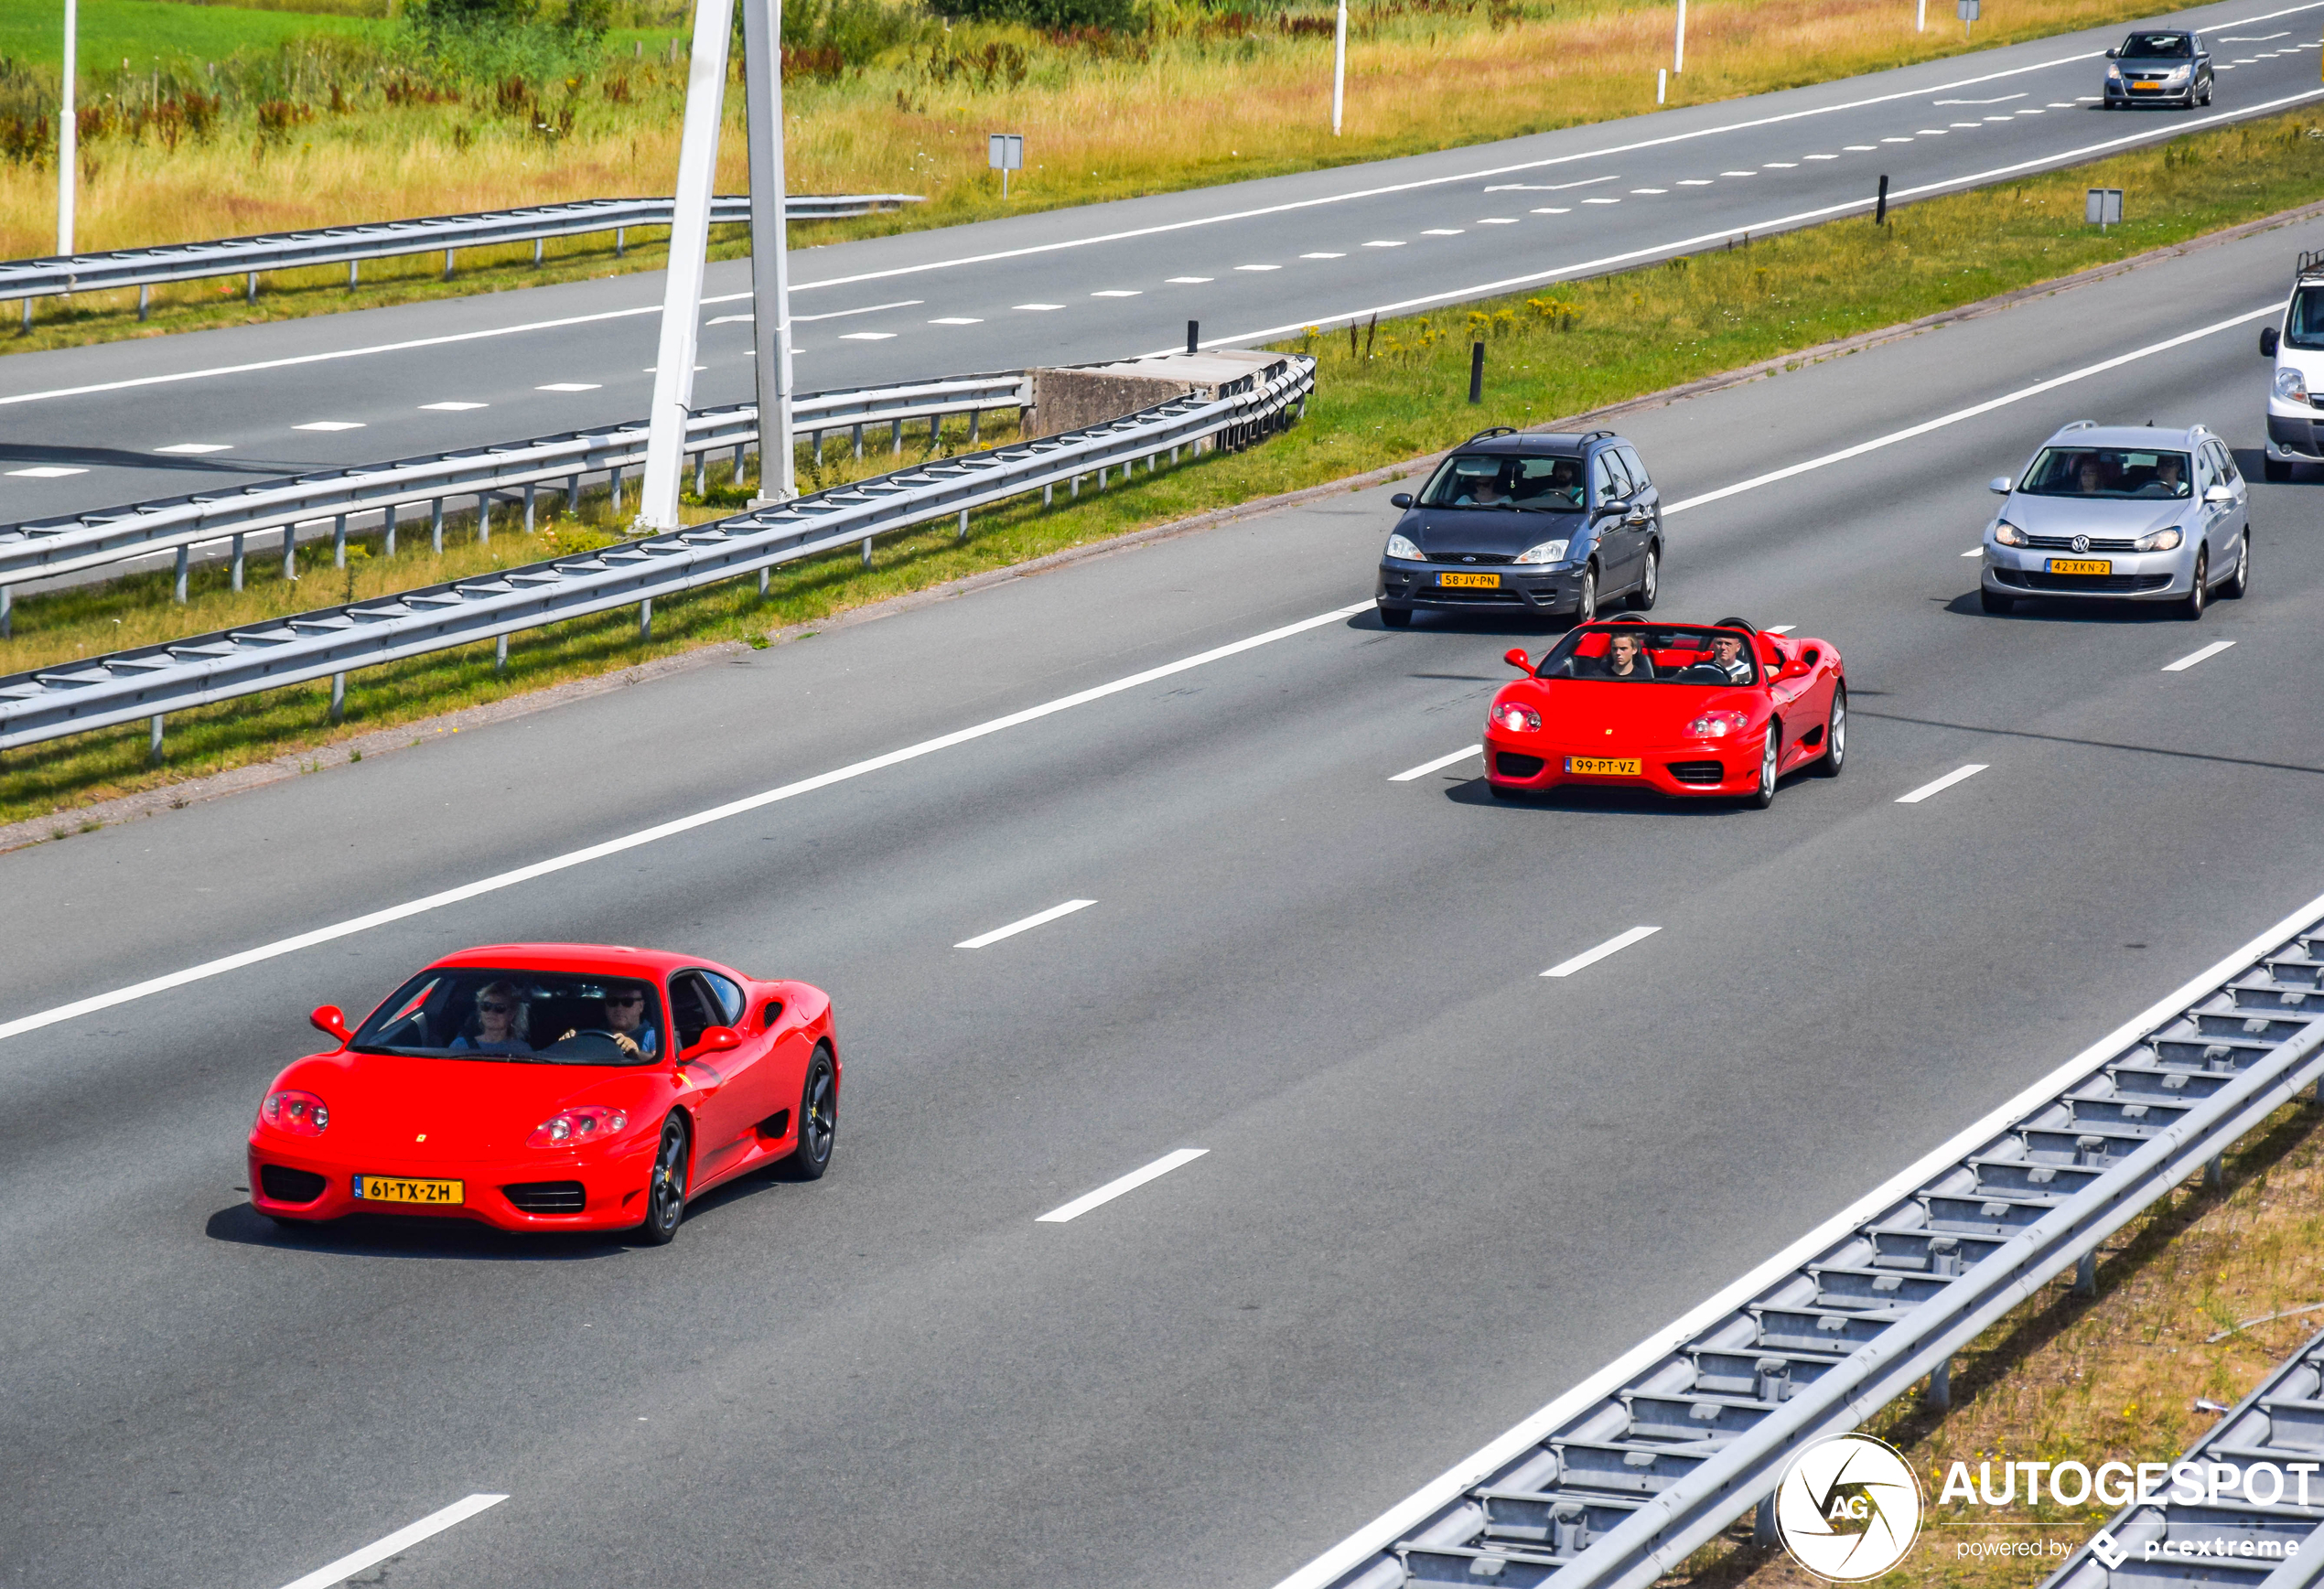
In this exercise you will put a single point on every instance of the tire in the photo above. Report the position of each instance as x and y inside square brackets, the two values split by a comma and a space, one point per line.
[1759, 799]
[818, 1120]
[1835, 735]
[1992, 601]
[2276, 470]
[1586, 609]
[1649, 582]
[666, 1184]
[2240, 582]
[2198, 596]
[1396, 617]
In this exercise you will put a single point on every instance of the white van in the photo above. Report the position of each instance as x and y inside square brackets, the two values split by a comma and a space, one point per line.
[2296, 393]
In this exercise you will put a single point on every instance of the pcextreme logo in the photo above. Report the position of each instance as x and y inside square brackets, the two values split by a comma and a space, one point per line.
[1848, 1507]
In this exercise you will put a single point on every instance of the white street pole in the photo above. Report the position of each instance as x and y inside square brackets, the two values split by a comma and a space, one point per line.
[68, 136]
[1921, 16]
[1678, 55]
[769, 249]
[1338, 67]
[689, 250]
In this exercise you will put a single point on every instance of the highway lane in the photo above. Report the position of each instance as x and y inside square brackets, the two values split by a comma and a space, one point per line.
[1439, 1187]
[93, 428]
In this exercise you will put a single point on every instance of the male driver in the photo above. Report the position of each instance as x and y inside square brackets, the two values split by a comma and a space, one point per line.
[625, 1023]
[1726, 655]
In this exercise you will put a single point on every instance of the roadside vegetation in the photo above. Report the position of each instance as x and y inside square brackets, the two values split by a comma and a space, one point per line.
[1387, 395]
[207, 121]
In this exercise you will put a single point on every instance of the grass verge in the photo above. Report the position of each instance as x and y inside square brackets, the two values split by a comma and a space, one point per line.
[1398, 392]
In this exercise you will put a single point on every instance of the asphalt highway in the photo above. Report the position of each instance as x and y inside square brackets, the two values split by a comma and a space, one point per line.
[95, 427]
[1437, 1187]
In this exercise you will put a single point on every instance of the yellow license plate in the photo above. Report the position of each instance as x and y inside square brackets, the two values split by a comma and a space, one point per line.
[1469, 581]
[2080, 565]
[2145, 88]
[1603, 766]
[402, 1189]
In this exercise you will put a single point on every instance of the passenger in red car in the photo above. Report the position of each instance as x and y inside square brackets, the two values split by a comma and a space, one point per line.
[500, 1023]
[1626, 658]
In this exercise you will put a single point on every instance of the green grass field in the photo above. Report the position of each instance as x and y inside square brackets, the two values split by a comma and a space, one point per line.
[144, 31]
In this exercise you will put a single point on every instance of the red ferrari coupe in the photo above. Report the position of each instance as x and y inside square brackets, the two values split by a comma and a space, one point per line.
[552, 1087]
[1684, 709]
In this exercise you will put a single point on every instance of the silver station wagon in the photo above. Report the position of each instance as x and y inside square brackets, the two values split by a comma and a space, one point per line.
[2122, 513]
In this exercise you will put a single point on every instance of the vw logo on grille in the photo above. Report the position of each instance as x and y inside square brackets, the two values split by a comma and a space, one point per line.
[2082, 544]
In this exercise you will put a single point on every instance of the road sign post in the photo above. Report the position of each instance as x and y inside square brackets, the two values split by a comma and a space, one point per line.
[68, 136]
[770, 251]
[2103, 208]
[1967, 11]
[1339, 65]
[1005, 152]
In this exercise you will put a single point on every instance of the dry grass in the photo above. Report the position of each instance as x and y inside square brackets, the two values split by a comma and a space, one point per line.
[1200, 101]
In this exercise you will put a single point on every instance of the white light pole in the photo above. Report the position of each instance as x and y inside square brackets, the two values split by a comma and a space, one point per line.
[1678, 53]
[689, 250]
[68, 136]
[1338, 67]
[769, 249]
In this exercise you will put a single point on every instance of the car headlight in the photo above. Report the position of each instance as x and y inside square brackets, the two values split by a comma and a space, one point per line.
[1514, 718]
[1547, 552]
[2178, 74]
[577, 1127]
[2290, 385]
[1404, 551]
[299, 1113]
[2160, 541]
[1717, 724]
[2114, 73]
[2009, 534]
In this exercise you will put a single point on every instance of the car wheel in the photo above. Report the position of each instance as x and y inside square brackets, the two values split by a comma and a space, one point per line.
[1994, 602]
[1649, 582]
[2240, 580]
[1396, 617]
[818, 1122]
[2190, 606]
[1836, 735]
[1759, 799]
[666, 1188]
[1586, 608]
[2276, 470]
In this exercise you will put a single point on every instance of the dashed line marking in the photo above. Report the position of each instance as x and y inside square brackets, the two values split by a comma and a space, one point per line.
[194, 448]
[1384, 242]
[1942, 784]
[401, 1540]
[45, 472]
[453, 407]
[868, 336]
[1112, 1189]
[1258, 267]
[570, 386]
[2191, 658]
[957, 320]
[1038, 309]
[1122, 292]
[1323, 256]
[330, 425]
[1038, 919]
[1190, 281]
[1425, 768]
[1590, 957]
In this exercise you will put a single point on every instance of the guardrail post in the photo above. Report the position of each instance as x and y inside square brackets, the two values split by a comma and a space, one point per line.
[153, 747]
[702, 473]
[28, 319]
[763, 575]
[351, 265]
[500, 655]
[2215, 1172]
[390, 530]
[435, 525]
[1100, 477]
[528, 509]
[290, 552]
[1048, 495]
[338, 542]
[178, 582]
[484, 517]
[536, 252]
[741, 449]
[573, 495]
[867, 540]
[898, 438]
[1073, 488]
[145, 300]
[250, 292]
[620, 241]
[859, 441]
[339, 697]
[645, 620]
[7, 613]
[447, 264]
[2086, 1273]
[973, 416]
[1763, 1522]
[237, 562]
[613, 479]
[1939, 1396]
[963, 535]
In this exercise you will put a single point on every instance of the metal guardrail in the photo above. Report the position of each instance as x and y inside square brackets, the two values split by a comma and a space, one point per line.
[151, 682]
[2227, 1539]
[1619, 1489]
[42, 548]
[350, 245]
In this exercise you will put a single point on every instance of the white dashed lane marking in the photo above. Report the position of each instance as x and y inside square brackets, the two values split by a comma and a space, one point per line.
[1041, 307]
[868, 336]
[1425, 768]
[1323, 256]
[1590, 957]
[1118, 293]
[453, 407]
[1190, 281]
[1258, 267]
[569, 386]
[1038, 919]
[330, 425]
[956, 320]
[194, 448]
[45, 472]
[2191, 658]
[1112, 1189]
[1942, 784]
[1384, 242]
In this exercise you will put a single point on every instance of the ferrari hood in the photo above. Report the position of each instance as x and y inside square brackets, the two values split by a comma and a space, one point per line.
[451, 1108]
[1583, 714]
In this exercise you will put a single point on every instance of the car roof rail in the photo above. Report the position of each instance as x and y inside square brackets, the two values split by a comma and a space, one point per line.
[2312, 261]
[2078, 425]
[1489, 435]
[1590, 435]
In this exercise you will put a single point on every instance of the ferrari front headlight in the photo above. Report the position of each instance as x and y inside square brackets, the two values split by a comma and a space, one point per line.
[1515, 719]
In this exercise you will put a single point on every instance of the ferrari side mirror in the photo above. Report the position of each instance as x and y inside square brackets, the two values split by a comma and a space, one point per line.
[1401, 500]
[2267, 342]
[1518, 660]
[717, 1040]
[1812, 656]
[327, 1020]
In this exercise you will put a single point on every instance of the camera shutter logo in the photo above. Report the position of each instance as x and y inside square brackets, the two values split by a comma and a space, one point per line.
[1848, 1507]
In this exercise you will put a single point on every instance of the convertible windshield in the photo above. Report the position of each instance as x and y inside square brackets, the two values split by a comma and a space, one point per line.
[2158, 47]
[2106, 472]
[2304, 327]
[537, 1017]
[1652, 654]
[1493, 480]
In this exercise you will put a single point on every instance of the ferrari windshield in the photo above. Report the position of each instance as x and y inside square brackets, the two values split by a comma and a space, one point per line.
[1652, 654]
[2107, 472]
[1494, 480]
[537, 1017]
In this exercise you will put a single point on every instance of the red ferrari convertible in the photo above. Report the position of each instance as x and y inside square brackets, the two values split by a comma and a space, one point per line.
[552, 1087]
[1687, 710]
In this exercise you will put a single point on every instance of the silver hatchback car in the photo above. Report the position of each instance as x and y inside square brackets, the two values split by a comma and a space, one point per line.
[2122, 513]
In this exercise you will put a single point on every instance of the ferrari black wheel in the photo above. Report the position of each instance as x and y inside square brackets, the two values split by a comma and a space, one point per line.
[818, 1120]
[1396, 617]
[1836, 735]
[1759, 799]
[666, 1191]
[1649, 582]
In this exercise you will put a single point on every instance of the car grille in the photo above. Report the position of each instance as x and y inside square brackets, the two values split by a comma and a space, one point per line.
[285, 1185]
[1479, 558]
[1698, 771]
[2066, 544]
[2118, 583]
[1505, 596]
[1509, 763]
[546, 1197]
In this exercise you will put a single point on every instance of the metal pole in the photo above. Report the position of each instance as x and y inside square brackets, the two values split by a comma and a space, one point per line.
[179, 584]
[769, 246]
[1678, 55]
[1921, 16]
[689, 252]
[68, 136]
[237, 562]
[1340, 66]
[1477, 372]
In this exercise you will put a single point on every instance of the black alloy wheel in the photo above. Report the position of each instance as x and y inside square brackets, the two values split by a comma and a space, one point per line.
[1396, 617]
[1759, 799]
[1836, 735]
[666, 1190]
[818, 1120]
[1649, 582]
[1586, 608]
[1994, 602]
[2240, 582]
[2190, 606]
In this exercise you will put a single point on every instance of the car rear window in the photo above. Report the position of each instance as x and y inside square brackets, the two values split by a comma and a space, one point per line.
[518, 1016]
[1498, 480]
[2107, 472]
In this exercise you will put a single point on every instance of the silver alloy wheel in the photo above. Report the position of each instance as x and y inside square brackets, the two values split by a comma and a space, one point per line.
[2241, 580]
[1650, 584]
[1586, 609]
[1764, 796]
[1836, 735]
[2199, 592]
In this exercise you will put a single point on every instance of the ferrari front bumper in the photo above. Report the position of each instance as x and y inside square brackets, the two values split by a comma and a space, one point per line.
[1699, 767]
[536, 1192]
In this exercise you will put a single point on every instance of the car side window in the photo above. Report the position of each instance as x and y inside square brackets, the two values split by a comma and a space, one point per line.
[691, 1009]
[1604, 482]
[730, 997]
[1636, 469]
[2205, 472]
[2225, 461]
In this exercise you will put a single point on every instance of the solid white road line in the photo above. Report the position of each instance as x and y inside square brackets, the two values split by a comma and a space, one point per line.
[1407, 1516]
[1425, 768]
[1614, 945]
[686, 824]
[2191, 658]
[842, 314]
[1112, 1189]
[1942, 784]
[401, 1540]
[1036, 919]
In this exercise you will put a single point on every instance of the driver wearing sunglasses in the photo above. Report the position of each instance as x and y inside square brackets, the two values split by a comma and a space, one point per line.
[625, 1023]
[500, 1023]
